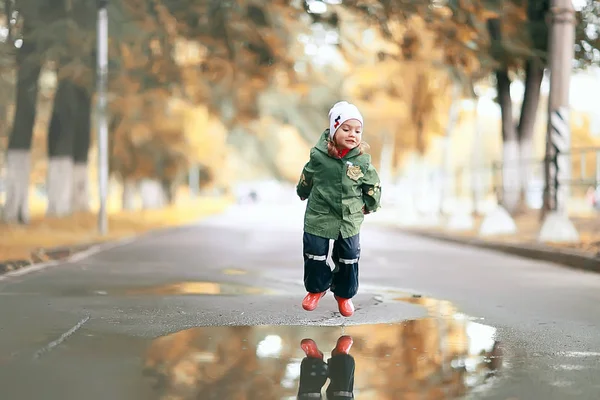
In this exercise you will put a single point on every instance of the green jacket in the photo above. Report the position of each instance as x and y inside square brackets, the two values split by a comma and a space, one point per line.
[337, 190]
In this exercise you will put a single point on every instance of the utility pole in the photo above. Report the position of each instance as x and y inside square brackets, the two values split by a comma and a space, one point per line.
[102, 127]
[557, 226]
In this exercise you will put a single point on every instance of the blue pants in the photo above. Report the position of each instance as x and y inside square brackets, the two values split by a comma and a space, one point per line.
[318, 277]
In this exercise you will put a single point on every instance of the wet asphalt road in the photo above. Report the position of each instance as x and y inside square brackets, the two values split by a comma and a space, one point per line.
[83, 330]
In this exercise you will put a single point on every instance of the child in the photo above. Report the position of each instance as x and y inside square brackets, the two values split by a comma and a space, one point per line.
[341, 186]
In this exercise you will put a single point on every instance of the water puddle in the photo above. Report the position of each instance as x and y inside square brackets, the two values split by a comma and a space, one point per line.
[177, 288]
[443, 356]
[206, 288]
[235, 271]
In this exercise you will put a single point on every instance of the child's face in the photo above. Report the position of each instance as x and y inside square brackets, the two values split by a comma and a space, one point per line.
[349, 135]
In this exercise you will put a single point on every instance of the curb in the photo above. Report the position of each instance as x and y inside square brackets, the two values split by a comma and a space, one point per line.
[569, 258]
[43, 258]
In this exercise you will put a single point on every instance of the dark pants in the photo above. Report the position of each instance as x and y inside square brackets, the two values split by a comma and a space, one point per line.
[318, 277]
[314, 373]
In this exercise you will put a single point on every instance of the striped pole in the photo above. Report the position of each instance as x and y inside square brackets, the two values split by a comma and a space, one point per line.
[558, 137]
[560, 171]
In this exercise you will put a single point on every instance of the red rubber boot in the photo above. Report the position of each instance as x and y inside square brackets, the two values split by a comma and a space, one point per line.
[345, 306]
[343, 345]
[311, 300]
[310, 349]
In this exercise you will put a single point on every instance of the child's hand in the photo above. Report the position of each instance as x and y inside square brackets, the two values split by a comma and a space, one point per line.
[364, 210]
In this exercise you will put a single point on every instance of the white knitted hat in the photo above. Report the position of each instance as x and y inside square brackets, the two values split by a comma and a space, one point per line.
[341, 112]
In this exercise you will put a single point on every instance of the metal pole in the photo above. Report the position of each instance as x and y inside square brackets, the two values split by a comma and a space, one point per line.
[558, 137]
[102, 60]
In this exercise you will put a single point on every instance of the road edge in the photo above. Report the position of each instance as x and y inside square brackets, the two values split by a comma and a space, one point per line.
[89, 250]
[13, 268]
[564, 257]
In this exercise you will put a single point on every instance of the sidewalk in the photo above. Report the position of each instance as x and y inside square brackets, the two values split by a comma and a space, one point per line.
[53, 239]
[584, 255]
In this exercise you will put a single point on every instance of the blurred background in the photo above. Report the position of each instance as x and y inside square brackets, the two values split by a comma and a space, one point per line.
[217, 102]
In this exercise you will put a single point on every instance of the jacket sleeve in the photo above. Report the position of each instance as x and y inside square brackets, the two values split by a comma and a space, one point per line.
[306, 178]
[371, 190]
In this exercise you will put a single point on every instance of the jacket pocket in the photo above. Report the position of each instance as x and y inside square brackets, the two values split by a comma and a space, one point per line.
[317, 207]
[317, 202]
[355, 207]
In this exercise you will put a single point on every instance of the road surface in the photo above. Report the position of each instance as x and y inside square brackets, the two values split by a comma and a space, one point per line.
[213, 311]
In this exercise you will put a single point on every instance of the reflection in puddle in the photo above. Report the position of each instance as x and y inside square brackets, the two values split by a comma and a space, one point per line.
[433, 358]
[235, 271]
[214, 288]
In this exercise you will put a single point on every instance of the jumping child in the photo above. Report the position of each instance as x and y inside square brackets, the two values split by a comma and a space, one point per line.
[341, 186]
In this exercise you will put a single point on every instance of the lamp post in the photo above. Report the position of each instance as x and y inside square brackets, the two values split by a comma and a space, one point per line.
[102, 127]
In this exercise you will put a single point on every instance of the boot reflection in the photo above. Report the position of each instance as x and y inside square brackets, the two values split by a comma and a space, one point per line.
[313, 371]
[339, 369]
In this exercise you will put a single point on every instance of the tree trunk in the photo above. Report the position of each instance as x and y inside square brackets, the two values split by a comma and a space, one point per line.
[447, 175]
[152, 193]
[533, 80]
[477, 158]
[129, 192]
[510, 171]
[169, 189]
[81, 149]
[61, 134]
[18, 159]
[3, 121]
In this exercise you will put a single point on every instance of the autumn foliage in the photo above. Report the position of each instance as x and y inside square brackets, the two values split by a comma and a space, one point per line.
[228, 87]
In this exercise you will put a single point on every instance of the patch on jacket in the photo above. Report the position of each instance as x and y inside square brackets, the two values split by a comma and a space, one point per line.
[354, 172]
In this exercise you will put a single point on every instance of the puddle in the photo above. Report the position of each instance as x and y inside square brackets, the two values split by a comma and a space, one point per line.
[235, 271]
[210, 288]
[434, 357]
[178, 288]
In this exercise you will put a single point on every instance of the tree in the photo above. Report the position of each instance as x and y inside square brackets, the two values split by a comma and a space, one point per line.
[510, 41]
[72, 46]
[29, 63]
[587, 35]
[222, 67]
[518, 139]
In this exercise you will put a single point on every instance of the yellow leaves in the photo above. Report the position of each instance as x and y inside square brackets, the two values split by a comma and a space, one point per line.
[195, 127]
[442, 12]
[469, 6]
[166, 20]
[486, 14]
[411, 45]
[274, 42]
[188, 52]
[291, 154]
[140, 133]
[204, 134]
[156, 47]
[129, 57]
